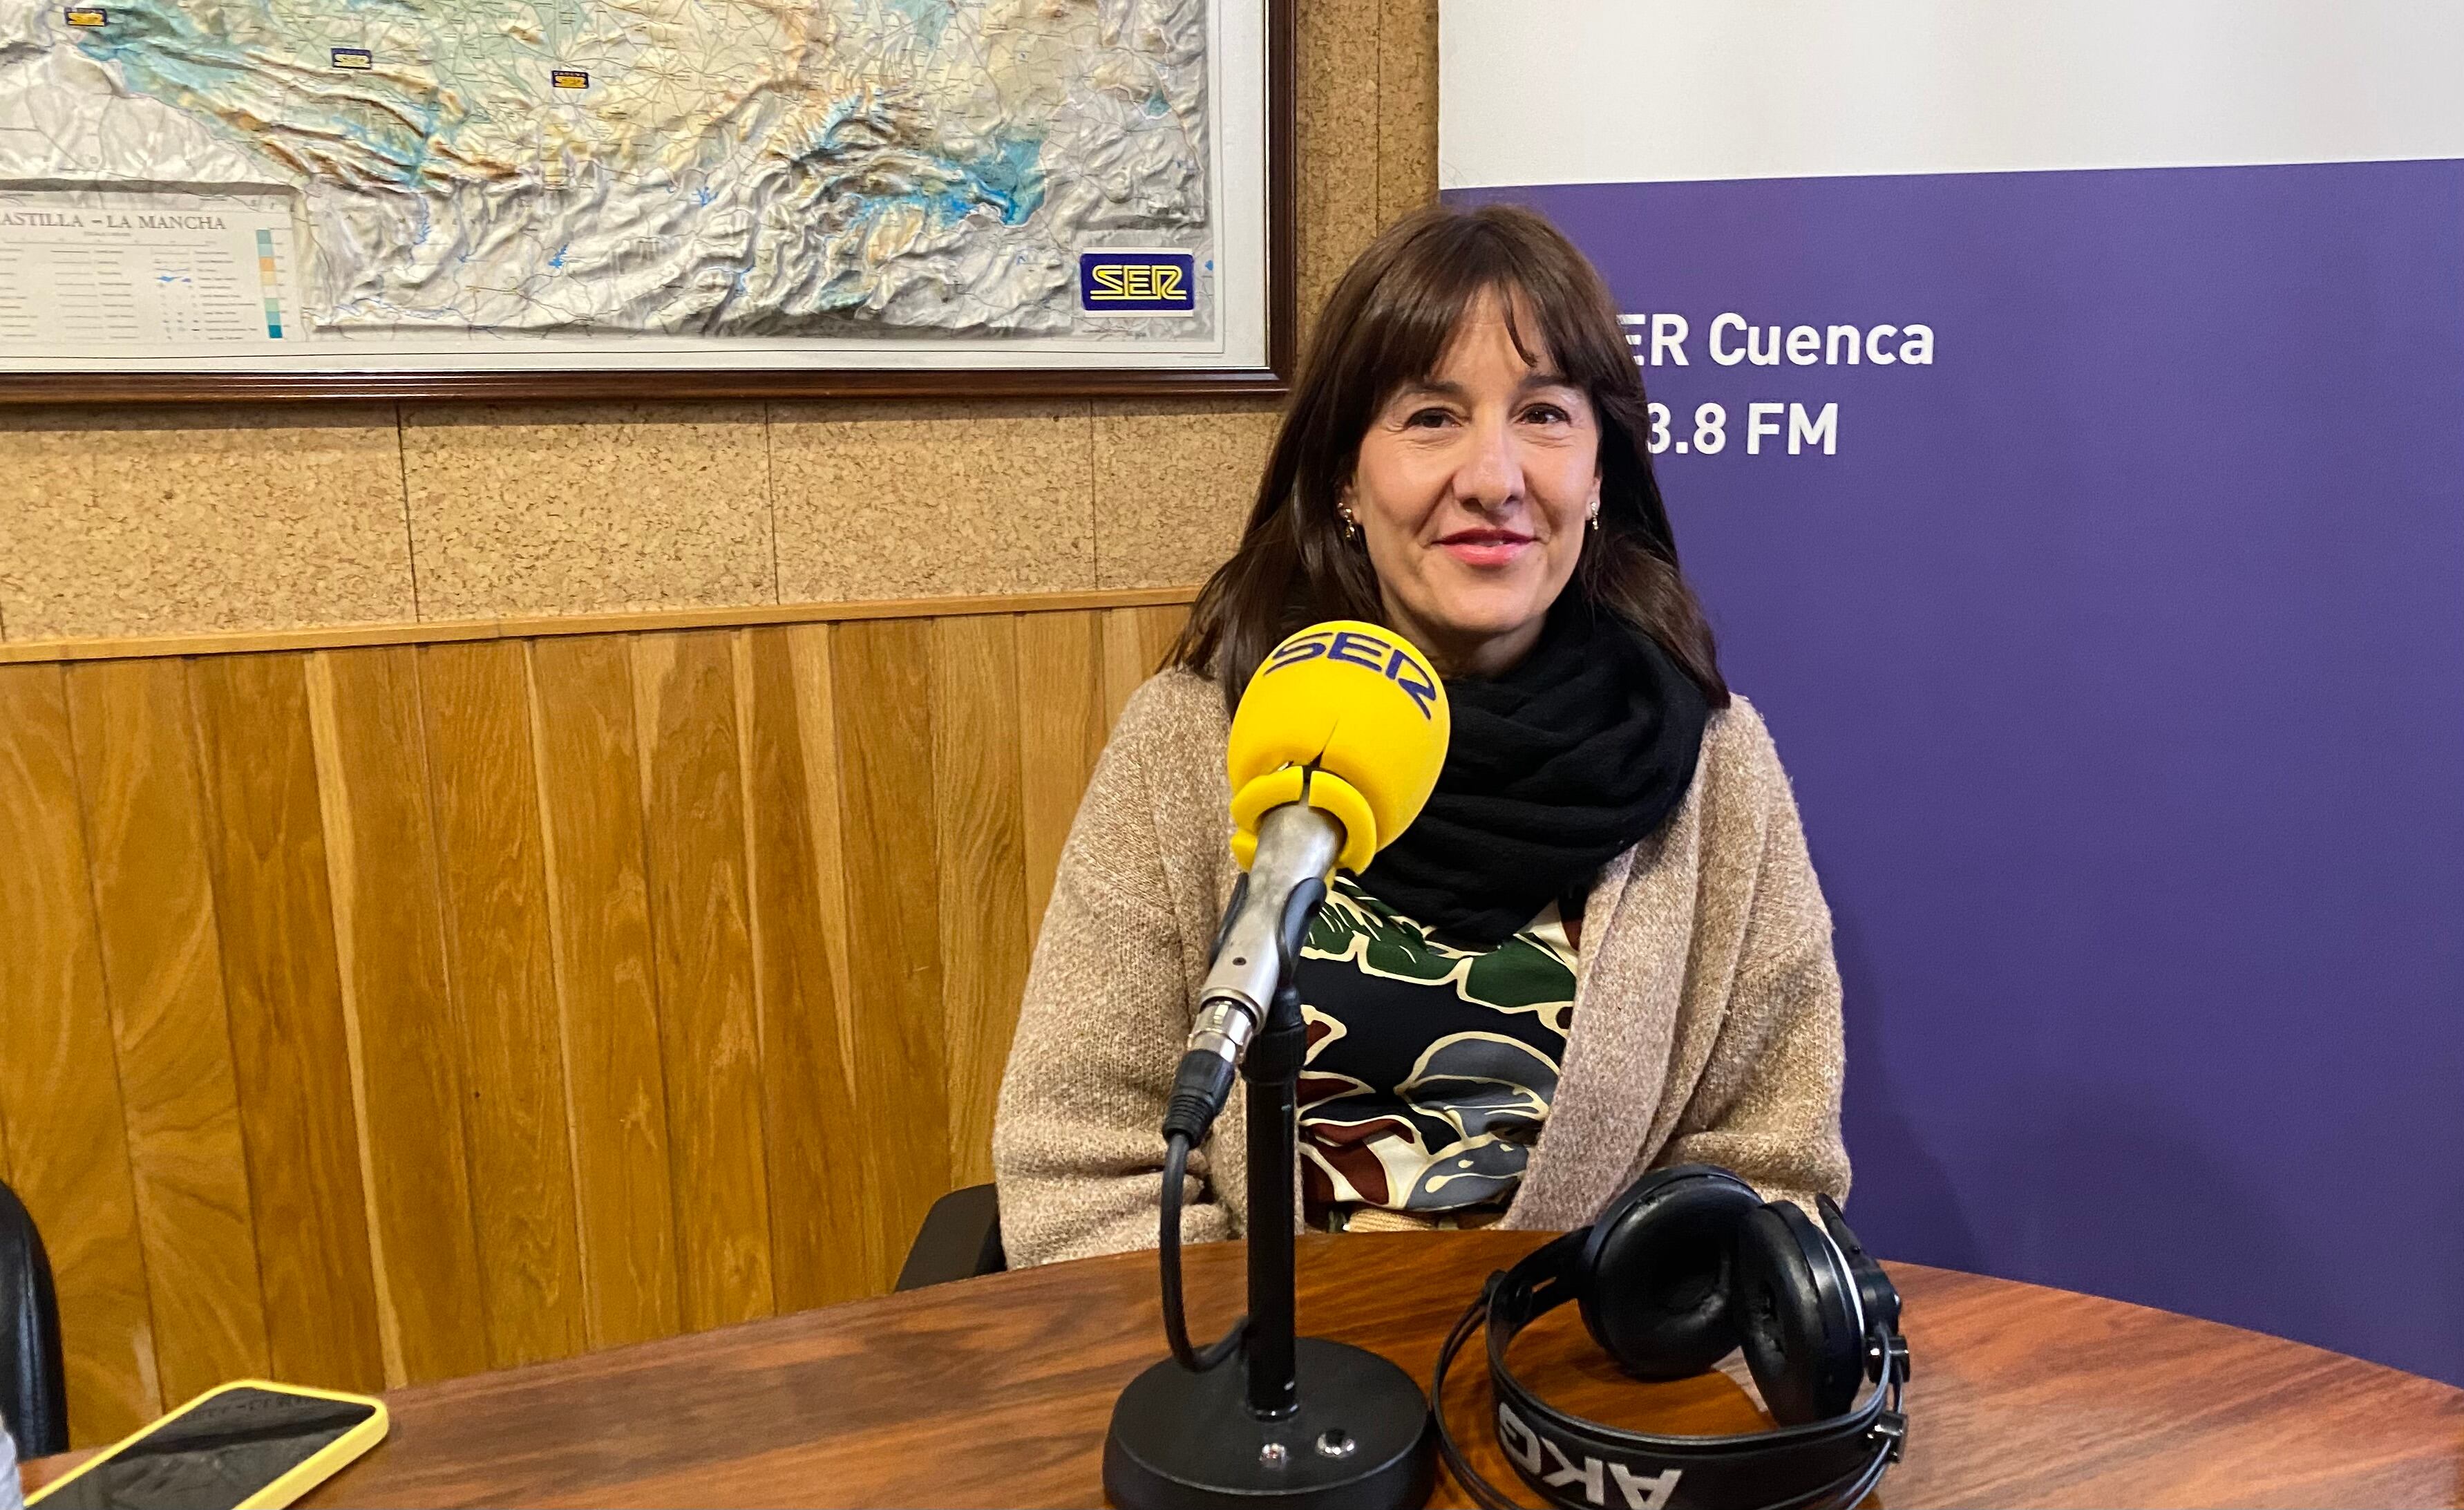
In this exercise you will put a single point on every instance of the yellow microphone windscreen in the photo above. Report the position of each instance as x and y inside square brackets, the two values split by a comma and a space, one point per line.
[1344, 700]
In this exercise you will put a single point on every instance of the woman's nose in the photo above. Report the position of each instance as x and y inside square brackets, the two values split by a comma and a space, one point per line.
[1490, 475]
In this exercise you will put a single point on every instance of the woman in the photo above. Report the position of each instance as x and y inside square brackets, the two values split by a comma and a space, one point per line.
[1602, 948]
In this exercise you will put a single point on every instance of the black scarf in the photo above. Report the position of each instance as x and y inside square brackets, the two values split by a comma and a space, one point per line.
[1555, 767]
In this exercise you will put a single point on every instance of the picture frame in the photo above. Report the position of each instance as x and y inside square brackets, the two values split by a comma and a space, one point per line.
[1257, 360]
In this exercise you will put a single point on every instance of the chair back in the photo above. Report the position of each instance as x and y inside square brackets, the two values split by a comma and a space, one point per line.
[34, 1387]
[960, 1238]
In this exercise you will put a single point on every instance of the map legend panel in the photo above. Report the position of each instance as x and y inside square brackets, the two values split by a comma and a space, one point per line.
[137, 274]
[269, 276]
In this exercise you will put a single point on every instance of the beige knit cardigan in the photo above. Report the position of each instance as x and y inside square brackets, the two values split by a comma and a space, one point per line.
[1706, 1026]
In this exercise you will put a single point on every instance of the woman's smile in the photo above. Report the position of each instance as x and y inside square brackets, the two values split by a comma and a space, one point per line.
[1485, 548]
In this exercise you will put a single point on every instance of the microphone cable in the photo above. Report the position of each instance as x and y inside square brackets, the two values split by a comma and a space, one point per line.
[1176, 1325]
[1483, 1494]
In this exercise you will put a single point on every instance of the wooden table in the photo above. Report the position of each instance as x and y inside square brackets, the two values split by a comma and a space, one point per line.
[996, 1392]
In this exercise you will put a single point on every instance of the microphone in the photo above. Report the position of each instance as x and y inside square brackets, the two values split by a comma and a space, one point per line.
[1334, 749]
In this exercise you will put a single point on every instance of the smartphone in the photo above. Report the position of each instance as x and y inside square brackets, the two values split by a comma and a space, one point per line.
[237, 1446]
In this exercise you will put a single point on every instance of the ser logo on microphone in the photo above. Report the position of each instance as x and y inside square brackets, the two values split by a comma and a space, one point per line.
[1395, 663]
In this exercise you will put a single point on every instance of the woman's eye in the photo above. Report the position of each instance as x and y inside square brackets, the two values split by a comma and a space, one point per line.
[1426, 418]
[1547, 414]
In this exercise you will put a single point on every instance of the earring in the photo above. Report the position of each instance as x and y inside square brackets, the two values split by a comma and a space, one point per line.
[1350, 523]
[1595, 517]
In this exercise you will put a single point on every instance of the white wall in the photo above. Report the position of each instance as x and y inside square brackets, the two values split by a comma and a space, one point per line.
[1630, 91]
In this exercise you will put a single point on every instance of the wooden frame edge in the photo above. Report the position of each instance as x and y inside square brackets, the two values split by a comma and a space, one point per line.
[24, 390]
[32, 390]
[543, 626]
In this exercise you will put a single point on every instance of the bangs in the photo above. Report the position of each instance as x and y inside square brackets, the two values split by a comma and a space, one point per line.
[1404, 342]
[1419, 306]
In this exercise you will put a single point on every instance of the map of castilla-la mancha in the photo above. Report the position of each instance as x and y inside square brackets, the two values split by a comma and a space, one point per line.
[695, 168]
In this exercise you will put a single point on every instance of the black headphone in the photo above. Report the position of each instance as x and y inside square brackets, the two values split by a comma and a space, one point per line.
[1686, 1264]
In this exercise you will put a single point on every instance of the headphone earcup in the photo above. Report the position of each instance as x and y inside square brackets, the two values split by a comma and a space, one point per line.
[1797, 1316]
[1656, 1278]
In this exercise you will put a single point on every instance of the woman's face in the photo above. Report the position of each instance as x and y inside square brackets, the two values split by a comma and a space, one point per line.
[1472, 489]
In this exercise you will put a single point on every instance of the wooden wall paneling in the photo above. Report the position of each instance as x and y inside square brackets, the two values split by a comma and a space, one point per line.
[146, 840]
[1135, 641]
[1062, 722]
[485, 789]
[59, 1089]
[482, 1001]
[881, 674]
[824, 1246]
[1157, 627]
[817, 715]
[282, 985]
[1124, 664]
[982, 872]
[406, 1043]
[693, 801]
[589, 780]
[873, 1250]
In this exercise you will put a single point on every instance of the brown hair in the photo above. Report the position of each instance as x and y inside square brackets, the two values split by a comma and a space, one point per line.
[1388, 323]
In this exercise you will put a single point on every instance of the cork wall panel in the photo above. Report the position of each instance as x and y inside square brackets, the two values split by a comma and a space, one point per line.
[580, 508]
[164, 523]
[1336, 97]
[887, 500]
[1173, 488]
[1407, 107]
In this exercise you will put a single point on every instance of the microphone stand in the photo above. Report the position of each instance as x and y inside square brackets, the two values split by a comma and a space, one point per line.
[1273, 1070]
[1300, 1421]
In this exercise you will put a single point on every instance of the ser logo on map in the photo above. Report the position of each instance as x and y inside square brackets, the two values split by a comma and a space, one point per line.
[1120, 280]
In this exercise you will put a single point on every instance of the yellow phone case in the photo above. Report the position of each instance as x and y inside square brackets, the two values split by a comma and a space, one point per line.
[327, 1461]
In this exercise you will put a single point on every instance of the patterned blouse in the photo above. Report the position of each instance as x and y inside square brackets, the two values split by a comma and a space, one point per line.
[1430, 1068]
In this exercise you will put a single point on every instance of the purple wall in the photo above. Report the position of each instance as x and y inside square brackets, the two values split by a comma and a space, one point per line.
[2119, 659]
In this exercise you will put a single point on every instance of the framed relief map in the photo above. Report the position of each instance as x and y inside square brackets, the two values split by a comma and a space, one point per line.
[231, 199]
